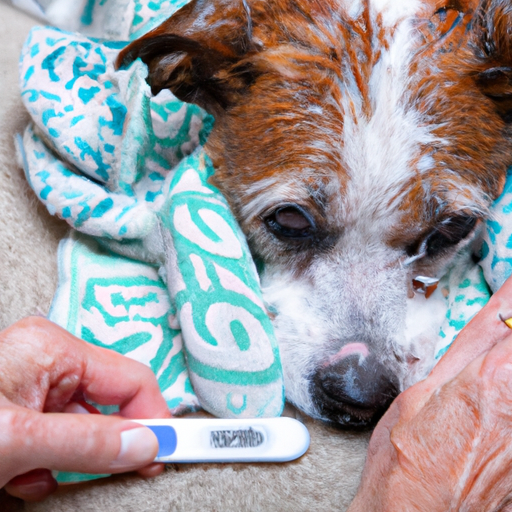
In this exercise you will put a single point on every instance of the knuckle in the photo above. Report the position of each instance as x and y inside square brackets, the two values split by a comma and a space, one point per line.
[33, 322]
[404, 440]
[30, 345]
[148, 377]
[146, 372]
[25, 329]
[142, 374]
[16, 426]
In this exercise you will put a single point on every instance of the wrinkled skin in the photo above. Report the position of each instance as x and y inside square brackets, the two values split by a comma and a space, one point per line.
[44, 369]
[445, 443]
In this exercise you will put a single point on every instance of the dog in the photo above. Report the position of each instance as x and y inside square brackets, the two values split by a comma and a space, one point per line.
[360, 143]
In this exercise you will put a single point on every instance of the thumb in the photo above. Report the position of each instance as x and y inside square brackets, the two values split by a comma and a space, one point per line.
[71, 442]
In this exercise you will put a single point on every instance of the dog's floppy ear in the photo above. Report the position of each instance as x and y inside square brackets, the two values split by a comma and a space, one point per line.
[494, 33]
[195, 53]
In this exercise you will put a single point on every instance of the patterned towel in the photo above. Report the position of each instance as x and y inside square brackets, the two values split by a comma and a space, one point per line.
[110, 160]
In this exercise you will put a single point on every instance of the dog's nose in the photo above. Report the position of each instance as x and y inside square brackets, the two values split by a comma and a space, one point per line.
[354, 391]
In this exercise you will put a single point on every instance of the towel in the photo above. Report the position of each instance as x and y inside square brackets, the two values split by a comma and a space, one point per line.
[112, 162]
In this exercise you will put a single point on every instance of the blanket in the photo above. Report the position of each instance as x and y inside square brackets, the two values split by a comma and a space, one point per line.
[123, 179]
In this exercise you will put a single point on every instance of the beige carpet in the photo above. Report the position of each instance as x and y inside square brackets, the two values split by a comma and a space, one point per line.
[324, 479]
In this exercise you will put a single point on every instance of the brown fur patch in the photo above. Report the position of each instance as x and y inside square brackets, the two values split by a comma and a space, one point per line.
[275, 73]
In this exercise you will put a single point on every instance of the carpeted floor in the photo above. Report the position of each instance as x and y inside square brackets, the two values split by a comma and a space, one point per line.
[324, 479]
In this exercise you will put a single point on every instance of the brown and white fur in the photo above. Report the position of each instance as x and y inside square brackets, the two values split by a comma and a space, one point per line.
[359, 143]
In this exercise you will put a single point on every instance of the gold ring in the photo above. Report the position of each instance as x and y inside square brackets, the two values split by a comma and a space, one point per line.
[507, 322]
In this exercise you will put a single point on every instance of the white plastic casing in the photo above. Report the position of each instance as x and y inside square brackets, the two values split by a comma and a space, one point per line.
[231, 440]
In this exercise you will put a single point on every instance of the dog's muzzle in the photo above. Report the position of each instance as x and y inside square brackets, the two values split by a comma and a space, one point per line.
[353, 391]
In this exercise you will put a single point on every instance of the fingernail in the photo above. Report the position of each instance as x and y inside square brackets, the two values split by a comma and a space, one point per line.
[139, 447]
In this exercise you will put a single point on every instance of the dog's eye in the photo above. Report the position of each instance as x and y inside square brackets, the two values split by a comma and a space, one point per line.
[449, 233]
[290, 221]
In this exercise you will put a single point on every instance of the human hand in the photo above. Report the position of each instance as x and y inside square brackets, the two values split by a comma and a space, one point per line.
[444, 444]
[43, 369]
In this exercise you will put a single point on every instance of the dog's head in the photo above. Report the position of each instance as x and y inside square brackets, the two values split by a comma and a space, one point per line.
[359, 143]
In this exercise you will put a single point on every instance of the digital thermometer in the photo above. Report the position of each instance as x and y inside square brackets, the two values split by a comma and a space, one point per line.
[239, 440]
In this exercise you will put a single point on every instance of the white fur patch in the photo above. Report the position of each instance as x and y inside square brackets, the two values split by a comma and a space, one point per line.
[392, 11]
[422, 324]
[301, 332]
[379, 152]
[354, 8]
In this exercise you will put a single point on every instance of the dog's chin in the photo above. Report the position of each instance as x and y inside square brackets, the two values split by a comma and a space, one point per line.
[350, 418]
[348, 422]
[345, 415]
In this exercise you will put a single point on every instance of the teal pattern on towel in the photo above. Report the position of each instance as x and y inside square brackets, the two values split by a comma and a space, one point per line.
[122, 304]
[128, 170]
[231, 351]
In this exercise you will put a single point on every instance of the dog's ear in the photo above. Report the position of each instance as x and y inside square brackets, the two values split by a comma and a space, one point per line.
[198, 53]
[493, 28]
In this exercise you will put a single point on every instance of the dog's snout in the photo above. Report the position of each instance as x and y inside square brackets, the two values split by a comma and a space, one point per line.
[354, 391]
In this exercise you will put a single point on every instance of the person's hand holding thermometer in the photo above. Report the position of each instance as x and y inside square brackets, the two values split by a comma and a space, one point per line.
[45, 373]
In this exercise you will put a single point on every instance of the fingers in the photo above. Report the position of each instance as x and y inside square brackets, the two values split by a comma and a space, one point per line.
[84, 408]
[86, 443]
[35, 485]
[42, 368]
[473, 376]
[434, 422]
[38, 484]
[43, 365]
[152, 470]
[110, 378]
[485, 330]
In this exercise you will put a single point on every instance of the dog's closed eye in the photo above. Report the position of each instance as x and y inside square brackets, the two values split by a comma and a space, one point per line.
[290, 221]
[445, 235]
[449, 233]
